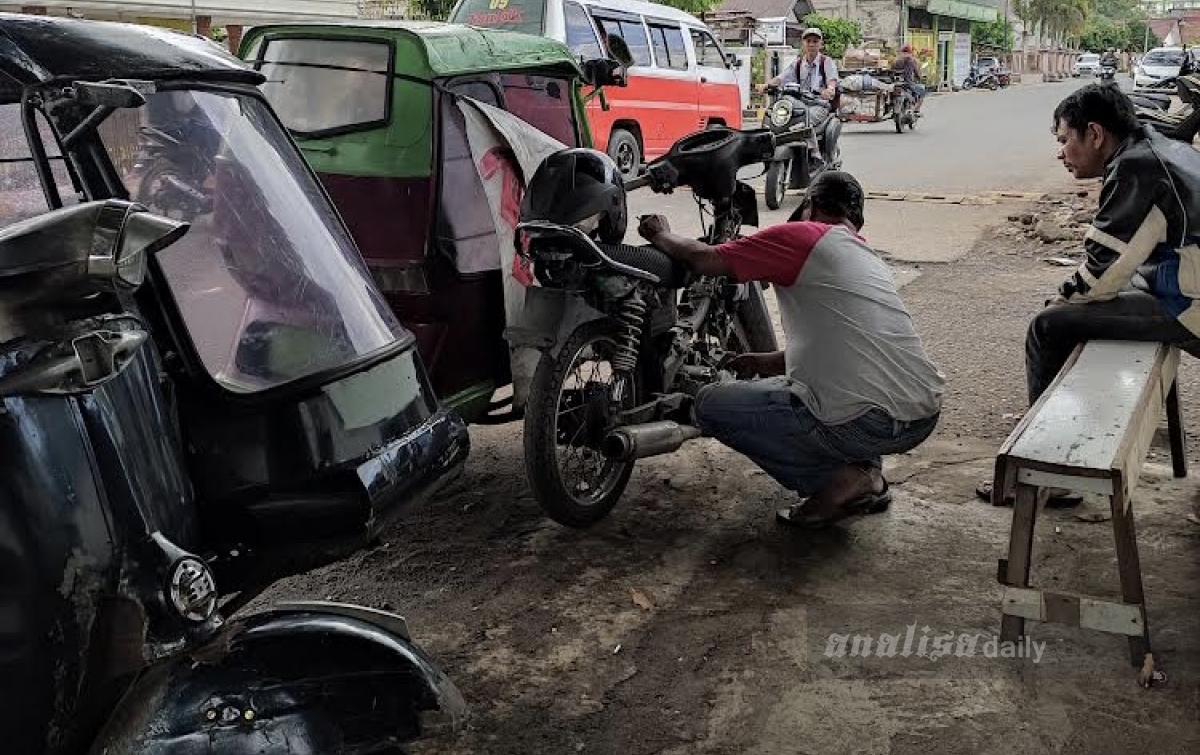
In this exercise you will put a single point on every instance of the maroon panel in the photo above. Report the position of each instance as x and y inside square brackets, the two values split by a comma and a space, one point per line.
[388, 217]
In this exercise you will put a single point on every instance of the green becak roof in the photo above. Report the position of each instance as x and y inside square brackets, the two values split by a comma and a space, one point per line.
[449, 49]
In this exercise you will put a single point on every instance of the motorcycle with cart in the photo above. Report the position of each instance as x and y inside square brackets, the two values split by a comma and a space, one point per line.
[878, 95]
[197, 398]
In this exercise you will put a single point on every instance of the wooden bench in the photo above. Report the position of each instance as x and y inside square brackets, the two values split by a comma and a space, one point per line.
[1090, 433]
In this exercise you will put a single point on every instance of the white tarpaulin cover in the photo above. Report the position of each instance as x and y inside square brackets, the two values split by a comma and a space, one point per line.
[506, 151]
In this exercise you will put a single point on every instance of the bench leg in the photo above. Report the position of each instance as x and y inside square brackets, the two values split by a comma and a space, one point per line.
[1020, 554]
[1176, 433]
[1130, 568]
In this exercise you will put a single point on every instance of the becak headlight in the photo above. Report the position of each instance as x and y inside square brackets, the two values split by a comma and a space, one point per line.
[781, 112]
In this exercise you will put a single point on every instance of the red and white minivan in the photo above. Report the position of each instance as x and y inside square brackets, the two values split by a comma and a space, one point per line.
[681, 80]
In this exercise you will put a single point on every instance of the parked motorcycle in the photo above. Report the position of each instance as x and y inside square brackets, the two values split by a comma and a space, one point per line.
[629, 334]
[795, 110]
[192, 407]
[1182, 125]
[981, 79]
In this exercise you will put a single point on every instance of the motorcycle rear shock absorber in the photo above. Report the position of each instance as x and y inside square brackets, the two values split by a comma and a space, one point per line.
[631, 319]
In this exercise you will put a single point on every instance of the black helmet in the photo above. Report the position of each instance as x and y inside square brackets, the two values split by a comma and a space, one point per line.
[578, 187]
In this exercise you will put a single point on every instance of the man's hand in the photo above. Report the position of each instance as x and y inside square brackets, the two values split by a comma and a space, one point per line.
[764, 364]
[652, 225]
[828, 93]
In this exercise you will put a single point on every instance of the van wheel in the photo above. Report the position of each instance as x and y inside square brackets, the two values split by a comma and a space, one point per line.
[625, 151]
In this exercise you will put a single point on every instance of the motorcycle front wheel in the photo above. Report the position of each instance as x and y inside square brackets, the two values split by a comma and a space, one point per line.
[570, 411]
[777, 178]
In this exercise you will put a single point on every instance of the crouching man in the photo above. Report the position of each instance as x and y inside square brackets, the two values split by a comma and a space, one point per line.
[854, 383]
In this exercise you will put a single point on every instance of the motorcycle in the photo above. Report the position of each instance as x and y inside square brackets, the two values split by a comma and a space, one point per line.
[981, 79]
[628, 334]
[1184, 124]
[795, 110]
[1108, 73]
[194, 405]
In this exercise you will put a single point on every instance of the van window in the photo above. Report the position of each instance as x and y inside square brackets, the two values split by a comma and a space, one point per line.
[632, 31]
[581, 37]
[669, 50]
[510, 15]
[325, 85]
[707, 51]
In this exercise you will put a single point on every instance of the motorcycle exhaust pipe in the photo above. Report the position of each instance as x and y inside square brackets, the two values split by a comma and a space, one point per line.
[649, 439]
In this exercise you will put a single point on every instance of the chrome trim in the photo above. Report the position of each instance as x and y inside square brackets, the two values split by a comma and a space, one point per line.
[382, 619]
[541, 227]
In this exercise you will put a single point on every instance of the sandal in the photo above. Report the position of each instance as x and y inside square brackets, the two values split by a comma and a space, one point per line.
[870, 503]
[1059, 501]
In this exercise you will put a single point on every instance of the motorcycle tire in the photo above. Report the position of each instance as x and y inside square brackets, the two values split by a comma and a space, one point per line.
[757, 333]
[993, 85]
[967, 84]
[777, 178]
[541, 430]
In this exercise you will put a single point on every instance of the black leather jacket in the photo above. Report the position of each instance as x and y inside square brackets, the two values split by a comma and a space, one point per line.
[1149, 219]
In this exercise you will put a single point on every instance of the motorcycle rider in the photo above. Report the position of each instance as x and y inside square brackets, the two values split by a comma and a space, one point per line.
[854, 382]
[909, 68]
[819, 74]
[1109, 59]
[1140, 279]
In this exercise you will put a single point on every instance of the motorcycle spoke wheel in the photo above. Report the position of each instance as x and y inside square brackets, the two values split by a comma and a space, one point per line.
[571, 410]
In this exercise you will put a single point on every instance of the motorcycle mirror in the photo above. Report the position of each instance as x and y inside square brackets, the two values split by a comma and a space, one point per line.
[143, 234]
[113, 94]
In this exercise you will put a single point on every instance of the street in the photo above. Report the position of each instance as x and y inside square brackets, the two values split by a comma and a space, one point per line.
[690, 622]
[967, 145]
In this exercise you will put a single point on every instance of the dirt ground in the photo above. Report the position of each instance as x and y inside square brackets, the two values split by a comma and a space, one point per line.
[690, 622]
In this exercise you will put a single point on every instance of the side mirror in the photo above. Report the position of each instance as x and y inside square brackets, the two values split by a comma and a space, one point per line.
[733, 60]
[602, 72]
[113, 94]
[619, 49]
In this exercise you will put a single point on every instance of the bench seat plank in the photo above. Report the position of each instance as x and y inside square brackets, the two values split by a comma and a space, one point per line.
[1083, 421]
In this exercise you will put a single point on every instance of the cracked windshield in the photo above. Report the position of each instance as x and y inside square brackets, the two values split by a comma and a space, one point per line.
[267, 281]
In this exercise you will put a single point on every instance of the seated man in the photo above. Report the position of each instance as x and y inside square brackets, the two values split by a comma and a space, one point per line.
[854, 382]
[1141, 278]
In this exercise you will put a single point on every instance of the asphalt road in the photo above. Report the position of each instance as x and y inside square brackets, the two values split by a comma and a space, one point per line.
[968, 144]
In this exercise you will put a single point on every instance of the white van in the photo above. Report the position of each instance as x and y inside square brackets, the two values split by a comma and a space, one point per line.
[681, 81]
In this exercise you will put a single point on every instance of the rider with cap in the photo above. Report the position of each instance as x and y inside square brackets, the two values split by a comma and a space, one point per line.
[818, 73]
[910, 73]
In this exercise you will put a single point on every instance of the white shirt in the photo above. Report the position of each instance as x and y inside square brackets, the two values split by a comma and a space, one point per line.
[810, 73]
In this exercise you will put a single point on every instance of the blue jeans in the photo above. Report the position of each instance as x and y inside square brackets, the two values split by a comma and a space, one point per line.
[767, 422]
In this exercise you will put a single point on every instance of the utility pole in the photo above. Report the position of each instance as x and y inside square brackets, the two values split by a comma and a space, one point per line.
[195, 25]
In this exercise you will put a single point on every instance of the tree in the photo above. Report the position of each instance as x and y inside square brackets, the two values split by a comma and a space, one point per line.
[695, 7]
[839, 33]
[996, 34]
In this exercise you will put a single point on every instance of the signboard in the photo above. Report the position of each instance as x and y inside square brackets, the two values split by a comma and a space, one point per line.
[771, 31]
[945, 36]
[962, 57]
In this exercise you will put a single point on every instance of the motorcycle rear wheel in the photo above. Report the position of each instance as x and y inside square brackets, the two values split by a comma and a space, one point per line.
[566, 418]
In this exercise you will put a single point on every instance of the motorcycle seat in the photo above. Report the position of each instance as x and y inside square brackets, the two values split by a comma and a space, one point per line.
[672, 273]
